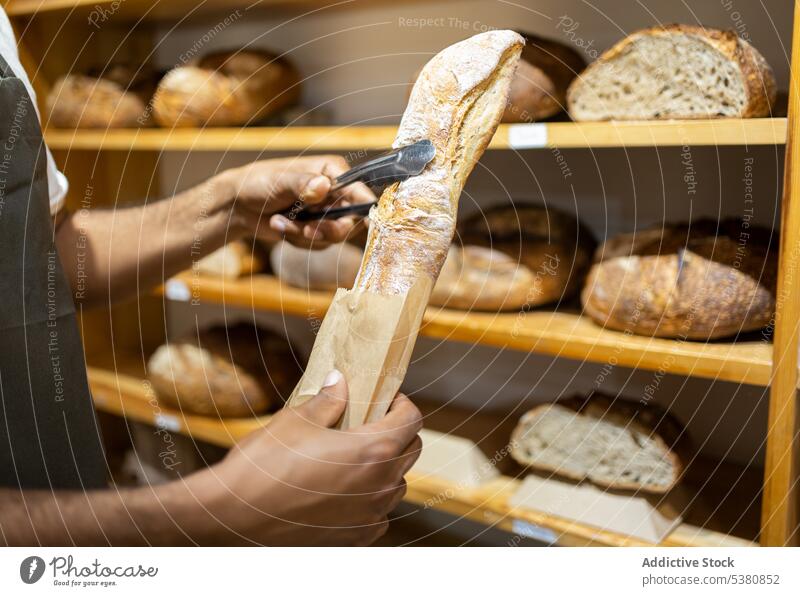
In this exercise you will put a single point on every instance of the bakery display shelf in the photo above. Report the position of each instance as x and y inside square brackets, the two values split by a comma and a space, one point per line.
[118, 387]
[123, 10]
[562, 135]
[559, 334]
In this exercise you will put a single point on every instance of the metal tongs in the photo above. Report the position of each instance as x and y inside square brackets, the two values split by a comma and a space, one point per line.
[395, 166]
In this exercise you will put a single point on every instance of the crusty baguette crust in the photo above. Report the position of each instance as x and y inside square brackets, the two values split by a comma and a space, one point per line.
[757, 75]
[649, 420]
[457, 103]
[682, 284]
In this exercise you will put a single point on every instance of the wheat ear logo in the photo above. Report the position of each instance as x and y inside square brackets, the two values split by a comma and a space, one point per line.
[31, 569]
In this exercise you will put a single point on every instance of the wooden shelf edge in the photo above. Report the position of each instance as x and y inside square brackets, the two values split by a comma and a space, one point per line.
[551, 135]
[124, 395]
[557, 334]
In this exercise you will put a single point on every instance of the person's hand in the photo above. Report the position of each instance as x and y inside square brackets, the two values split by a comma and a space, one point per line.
[300, 481]
[262, 189]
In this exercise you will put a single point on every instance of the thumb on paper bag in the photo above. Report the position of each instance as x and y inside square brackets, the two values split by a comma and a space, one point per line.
[327, 407]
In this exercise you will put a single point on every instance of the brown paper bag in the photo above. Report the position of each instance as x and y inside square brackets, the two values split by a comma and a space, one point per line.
[369, 338]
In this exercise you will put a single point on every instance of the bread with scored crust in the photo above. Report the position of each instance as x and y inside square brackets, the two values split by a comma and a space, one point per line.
[457, 103]
[675, 71]
[701, 281]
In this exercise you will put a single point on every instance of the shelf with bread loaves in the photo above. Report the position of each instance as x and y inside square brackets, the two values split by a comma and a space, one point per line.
[562, 135]
[119, 388]
[118, 380]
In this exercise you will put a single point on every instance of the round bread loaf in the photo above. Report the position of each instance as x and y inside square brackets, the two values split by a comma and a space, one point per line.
[614, 443]
[675, 71]
[333, 267]
[539, 88]
[226, 89]
[479, 278]
[79, 101]
[232, 260]
[235, 371]
[553, 246]
[691, 282]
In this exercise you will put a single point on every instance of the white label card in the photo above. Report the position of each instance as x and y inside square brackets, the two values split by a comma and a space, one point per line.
[176, 290]
[530, 530]
[527, 136]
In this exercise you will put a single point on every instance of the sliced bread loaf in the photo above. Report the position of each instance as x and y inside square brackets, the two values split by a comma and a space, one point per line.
[676, 71]
[612, 442]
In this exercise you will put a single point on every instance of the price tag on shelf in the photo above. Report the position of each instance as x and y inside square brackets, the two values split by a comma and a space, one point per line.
[527, 136]
[168, 422]
[529, 530]
[176, 290]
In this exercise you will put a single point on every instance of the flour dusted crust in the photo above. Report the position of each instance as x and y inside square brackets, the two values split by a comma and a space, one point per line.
[586, 94]
[457, 103]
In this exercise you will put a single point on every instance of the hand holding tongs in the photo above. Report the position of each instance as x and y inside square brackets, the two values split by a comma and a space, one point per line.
[395, 166]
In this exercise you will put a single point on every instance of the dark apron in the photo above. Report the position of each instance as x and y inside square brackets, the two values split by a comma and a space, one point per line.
[48, 432]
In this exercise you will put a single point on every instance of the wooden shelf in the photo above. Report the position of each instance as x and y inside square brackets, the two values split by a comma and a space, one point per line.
[564, 135]
[118, 388]
[142, 9]
[558, 334]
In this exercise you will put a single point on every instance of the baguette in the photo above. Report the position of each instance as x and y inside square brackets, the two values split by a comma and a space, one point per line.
[226, 89]
[703, 281]
[614, 443]
[676, 71]
[457, 103]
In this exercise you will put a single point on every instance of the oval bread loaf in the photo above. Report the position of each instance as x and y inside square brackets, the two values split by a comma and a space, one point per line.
[676, 71]
[457, 103]
[333, 267]
[552, 245]
[479, 278]
[241, 370]
[78, 101]
[684, 282]
[614, 443]
[226, 89]
[539, 89]
[231, 261]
